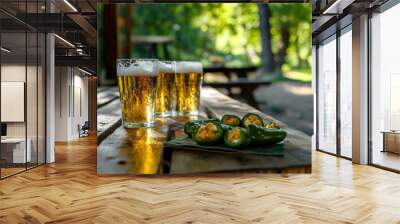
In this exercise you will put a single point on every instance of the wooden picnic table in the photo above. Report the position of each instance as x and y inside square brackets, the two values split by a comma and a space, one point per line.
[141, 151]
[154, 42]
[241, 72]
[246, 85]
[247, 88]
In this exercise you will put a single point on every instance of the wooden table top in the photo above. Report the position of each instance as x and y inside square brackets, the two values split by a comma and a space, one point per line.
[141, 151]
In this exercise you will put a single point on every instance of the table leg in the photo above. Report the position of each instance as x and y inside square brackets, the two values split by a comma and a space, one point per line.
[154, 52]
[166, 53]
[248, 93]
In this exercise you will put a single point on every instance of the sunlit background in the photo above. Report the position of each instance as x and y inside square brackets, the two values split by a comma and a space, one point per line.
[222, 33]
[272, 39]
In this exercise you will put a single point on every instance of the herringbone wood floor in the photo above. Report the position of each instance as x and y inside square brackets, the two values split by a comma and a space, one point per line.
[69, 191]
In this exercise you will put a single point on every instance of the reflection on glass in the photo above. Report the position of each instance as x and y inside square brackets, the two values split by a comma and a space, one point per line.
[385, 85]
[327, 96]
[188, 80]
[146, 150]
[346, 94]
[165, 96]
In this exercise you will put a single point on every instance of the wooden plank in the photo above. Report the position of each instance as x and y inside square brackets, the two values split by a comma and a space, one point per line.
[106, 96]
[130, 151]
[108, 119]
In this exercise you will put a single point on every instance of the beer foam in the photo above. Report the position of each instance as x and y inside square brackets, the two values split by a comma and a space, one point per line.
[166, 66]
[136, 67]
[188, 67]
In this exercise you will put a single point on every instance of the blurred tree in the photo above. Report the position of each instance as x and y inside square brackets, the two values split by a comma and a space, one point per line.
[291, 33]
[267, 58]
[276, 36]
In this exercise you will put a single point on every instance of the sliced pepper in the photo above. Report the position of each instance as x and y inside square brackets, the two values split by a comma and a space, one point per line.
[265, 136]
[191, 126]
[226, 127]
[207, 133]
[230, 119]
[236, 137]
[252, 118]
[272, 125]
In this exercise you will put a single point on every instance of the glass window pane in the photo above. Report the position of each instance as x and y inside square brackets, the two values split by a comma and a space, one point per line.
[385, 84]
[346, 94]
[23, 90]
[13, 86]
[327, 96]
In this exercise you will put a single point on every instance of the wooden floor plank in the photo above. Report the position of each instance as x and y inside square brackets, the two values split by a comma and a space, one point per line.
[69, 191]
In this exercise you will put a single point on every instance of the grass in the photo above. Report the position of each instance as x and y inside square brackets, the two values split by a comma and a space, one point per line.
[298, 75]
[303, 76]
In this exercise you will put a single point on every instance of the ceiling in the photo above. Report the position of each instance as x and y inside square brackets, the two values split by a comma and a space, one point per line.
[329, 13]
[74, 22]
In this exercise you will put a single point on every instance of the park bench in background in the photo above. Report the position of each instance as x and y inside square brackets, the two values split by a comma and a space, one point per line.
[246, 85]
[241, 72]
[154, 42]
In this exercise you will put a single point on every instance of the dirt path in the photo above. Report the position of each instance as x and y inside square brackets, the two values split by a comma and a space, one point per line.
[290, 102]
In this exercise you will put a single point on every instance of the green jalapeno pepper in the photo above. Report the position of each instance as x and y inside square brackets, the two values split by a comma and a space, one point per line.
[191, 126]
[252, 118]
[226, 127]
[265, 136]
[272, 125]
[207, 133]
[230, 119]
[236, 137]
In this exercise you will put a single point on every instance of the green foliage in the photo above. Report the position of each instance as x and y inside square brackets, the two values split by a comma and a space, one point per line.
[298, 18]
[225, 31]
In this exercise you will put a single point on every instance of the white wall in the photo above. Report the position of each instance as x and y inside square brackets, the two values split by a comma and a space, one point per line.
[33, 126]
[61, 103]
[12, 73]
[71, 102]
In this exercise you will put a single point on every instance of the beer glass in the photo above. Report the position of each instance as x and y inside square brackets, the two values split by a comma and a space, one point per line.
[137, 80]
[165, 93]
[188, 80]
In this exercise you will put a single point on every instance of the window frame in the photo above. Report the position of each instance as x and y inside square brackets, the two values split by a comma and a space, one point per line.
[340, 28]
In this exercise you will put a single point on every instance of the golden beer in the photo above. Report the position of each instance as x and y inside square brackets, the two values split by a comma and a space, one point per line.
[165, 93]
[137, 80]
[188, 80]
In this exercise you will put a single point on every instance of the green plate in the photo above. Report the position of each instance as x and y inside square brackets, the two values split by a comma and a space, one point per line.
[188, 143]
